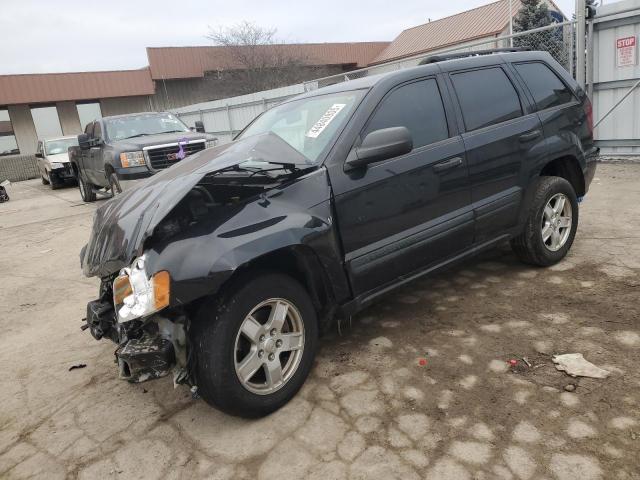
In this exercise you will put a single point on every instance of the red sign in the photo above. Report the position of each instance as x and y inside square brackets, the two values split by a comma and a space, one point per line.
[627, 51]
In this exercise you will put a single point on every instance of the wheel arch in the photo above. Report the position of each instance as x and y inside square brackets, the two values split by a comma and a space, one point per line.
[566, 167]
[302, 264]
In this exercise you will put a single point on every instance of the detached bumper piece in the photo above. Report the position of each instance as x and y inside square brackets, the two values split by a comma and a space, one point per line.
[145, 358]
[101, 320]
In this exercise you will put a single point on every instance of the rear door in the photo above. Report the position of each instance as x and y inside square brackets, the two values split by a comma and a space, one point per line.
[501, 133]
[402, 214]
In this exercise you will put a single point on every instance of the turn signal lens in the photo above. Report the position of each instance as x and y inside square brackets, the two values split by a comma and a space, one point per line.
[161, 288]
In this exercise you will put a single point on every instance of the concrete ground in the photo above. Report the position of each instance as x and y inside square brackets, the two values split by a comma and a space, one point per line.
[370, 409]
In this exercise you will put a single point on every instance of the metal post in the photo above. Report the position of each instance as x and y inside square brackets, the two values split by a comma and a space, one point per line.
[589, 78]
[229, 120]
[511, 23]
[580, 41]
[572, 33]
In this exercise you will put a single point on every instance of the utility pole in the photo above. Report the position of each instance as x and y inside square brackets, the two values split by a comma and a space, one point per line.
[511, 23]
[581, 22]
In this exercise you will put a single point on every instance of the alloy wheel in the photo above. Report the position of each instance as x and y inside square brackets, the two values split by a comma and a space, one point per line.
[557, 220]
[269, 346]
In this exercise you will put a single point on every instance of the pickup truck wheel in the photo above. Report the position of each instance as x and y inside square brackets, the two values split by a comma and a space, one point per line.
[45, 181]
[87, 192]
[255, 348]
[551, 225]
[114, 185]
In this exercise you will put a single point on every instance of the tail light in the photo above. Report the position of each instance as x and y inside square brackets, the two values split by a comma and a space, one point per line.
[588, 110]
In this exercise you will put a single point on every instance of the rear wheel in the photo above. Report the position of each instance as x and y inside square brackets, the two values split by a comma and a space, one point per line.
[87, 192]
[552, 223]
[255, 348]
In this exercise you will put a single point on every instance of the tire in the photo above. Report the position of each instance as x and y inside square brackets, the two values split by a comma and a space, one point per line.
[114, 185]
[87, 192]
[546, 238]
[221, 350]
[45, 181]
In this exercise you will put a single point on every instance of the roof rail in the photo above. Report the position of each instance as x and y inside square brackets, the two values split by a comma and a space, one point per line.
[476, 53]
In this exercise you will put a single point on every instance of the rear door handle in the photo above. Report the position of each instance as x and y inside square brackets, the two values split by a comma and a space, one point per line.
[532, 135]
[447, 164]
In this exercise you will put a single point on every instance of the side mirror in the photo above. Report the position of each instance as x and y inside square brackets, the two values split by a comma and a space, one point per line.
[380, 145]
[199, 126]
[39, 155]
[84, 141]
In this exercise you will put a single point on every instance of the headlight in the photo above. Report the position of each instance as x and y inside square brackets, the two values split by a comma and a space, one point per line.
[132, 159]
[136, 295]
[57, 165]
[210, 143]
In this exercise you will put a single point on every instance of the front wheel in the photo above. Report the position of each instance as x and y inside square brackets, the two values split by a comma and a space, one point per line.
[255, 348]
[87, 192]
[114, 185]
[551, 225]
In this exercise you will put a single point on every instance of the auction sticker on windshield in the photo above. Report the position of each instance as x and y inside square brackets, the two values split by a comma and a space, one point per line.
[325, 120]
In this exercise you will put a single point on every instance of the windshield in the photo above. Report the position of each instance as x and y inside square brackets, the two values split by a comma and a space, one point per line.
[308, 124]
[54, 147]
[141, 125]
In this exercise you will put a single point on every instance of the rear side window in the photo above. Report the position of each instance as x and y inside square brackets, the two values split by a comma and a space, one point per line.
[417, 106]
[486, 97]
[545, 86]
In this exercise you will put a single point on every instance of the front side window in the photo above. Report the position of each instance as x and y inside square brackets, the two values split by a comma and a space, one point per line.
[8, 144]
[133, 126]
[309, 124]
[486, 97]
[545, 86]
[60, 145]
[46, 121]
[418, 107]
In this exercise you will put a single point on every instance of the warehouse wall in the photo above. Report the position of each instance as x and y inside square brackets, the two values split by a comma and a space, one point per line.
[122, 105]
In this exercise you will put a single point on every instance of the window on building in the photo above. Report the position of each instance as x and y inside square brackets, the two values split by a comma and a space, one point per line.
[486, 97]
[46, 121]
[88, 112]
[416, 106]
[545, 86]
[8, 144]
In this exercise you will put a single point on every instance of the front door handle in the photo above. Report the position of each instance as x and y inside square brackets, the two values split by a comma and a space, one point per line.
[532, 135]
[447, 164]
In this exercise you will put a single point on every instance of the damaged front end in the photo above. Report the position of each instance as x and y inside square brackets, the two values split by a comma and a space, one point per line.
[149, 347]
[167, 244]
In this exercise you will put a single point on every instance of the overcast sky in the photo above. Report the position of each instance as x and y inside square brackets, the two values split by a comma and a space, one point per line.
[39, 36]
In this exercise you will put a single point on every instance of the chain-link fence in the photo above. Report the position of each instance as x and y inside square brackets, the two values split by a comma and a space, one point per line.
[557, 39]
[228, 116]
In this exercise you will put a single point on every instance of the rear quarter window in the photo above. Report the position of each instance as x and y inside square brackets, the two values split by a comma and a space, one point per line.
[486, 97]
[545, 86]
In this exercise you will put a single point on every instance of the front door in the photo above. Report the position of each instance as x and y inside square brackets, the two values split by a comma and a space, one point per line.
[398, 216]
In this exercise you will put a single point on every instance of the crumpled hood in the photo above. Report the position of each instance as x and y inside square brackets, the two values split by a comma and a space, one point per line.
[122, 224]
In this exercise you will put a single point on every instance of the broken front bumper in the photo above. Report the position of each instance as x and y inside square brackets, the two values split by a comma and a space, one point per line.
[147, 349]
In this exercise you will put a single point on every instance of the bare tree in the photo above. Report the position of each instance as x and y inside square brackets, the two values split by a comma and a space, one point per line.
[255, 55]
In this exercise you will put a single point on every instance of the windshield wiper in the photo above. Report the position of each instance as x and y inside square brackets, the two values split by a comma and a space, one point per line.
[138, 135]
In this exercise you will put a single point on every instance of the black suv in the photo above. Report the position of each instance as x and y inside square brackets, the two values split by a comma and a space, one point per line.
[226, 267]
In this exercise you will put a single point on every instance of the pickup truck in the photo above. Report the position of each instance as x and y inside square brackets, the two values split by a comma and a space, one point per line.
[115, 151]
